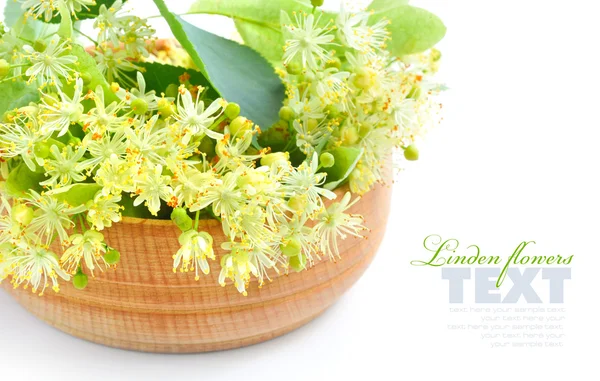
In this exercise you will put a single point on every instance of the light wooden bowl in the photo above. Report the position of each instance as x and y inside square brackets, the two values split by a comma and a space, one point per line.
[143, 305]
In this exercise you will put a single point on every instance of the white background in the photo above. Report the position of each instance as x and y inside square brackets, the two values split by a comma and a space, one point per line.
[516, 158]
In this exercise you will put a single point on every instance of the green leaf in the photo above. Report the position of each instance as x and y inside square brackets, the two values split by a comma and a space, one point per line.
[16, 94]
[266, 41]
[77, 194]
[237, 72]
[382, 6]
[87, 64]
[65, 29]
[159, 76]
[413, 29]
[22, 179]
[346, 159]
[12, 13]
[264, 13]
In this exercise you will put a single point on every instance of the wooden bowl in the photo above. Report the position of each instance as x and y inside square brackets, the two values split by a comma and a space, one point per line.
[144, 306]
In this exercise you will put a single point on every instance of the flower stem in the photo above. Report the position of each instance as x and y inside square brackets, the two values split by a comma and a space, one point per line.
[197, 220]
[10, 78]
[81, 224]
[85, 35]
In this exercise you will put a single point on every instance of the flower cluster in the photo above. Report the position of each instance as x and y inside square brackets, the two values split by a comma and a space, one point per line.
[346, 90]
[83, 155]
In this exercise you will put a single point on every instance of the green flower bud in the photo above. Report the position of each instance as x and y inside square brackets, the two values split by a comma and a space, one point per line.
[165, 108]
[349, 135]
[292, 248]
[274, 157]
[52, 99]
[172, 90]
[294, 68]
[334, 62]
[411, 153]
[180, 217]
[286, 113]
[112, 257]
[436, 55]
[41, 150]
[317, 3]
[363, 79]
[239, 126]
[327, 160]
[309, 76]
[298, 263]
[4, 68]
[22, 214]
[312, 124]
[207, 146]
[80, 281]
[39, 46]
[297, 203]
[139, 106]
[332, 111]
[232, 110]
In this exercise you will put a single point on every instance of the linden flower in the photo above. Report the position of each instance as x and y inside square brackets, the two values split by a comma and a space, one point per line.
[64, 168]
[334, 222]
[52, 64]
[297, 239]
[152, 187]
[306, 181]
[241, 263]
[52, 216]
[330, 85]
[404, 112]
[196, 247]
[20, 139]
[148, 98]
[310, 134]
[110, 23]
[36, 267]
[136, 34]
[147, 141]
[190, 184]
[115, 65]
[104, 148]
[59, 116]
[304, 105]
[194, 119]
[354, 31]
[306, 41]
[231, 151]
[104, 210]
[362, 178]
[103, 118]
[115, 176]
[89, 247]
[224, 197]
[39, 8]
[75, 6]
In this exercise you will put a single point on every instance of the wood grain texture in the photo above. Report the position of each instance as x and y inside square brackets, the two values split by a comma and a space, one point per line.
[142, 305]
